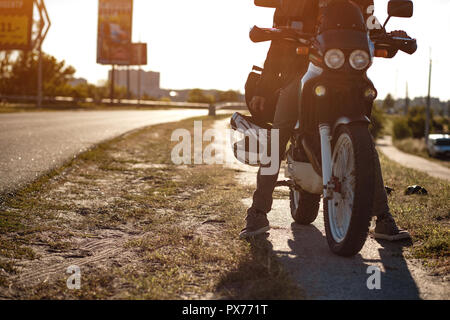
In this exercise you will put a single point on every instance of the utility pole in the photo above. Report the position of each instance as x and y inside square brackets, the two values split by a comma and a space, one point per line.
[44, 26]
[427, 123]
[39, 84]
[139, 85]
[128, 83]
[406, 99]
[112, 84]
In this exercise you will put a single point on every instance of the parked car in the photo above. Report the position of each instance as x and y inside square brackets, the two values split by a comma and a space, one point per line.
[439, 145]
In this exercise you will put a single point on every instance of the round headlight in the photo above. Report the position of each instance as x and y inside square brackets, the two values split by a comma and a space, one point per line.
[320, 91]
[334, 58]
[359, 59]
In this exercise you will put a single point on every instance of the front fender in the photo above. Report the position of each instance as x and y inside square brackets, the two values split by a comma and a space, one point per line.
[348, 120]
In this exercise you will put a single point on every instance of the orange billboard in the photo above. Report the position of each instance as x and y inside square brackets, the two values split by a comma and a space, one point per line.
[138, 54]
[16, 20]
[115, 20]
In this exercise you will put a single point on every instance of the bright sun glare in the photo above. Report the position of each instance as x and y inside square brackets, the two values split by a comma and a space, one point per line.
[205, 44]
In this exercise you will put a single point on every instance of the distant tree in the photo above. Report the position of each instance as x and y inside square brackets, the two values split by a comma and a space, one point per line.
[228, 96]
[388, 103]
[378, 120]
[198, 96]
[120, 92]
[417, 119]
[400, 129]
[19, 75]
[148, 97]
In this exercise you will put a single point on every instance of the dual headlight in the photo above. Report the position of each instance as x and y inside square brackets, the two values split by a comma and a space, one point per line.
[335, 59]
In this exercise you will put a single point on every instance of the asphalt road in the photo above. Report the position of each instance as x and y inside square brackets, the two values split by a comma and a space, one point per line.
[34, 143]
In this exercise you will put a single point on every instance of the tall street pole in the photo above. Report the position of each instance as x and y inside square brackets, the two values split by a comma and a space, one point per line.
[139, 85]
[112, 84]
[128, 83]
[39, 84]
[406, 100]
[44, 26]
[427, 123]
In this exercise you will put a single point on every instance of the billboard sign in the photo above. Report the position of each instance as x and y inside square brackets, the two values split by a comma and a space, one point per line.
[115, 20]
[138, 54]
[16, 20]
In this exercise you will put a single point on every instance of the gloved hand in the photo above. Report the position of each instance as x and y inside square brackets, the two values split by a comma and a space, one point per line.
[399, 33]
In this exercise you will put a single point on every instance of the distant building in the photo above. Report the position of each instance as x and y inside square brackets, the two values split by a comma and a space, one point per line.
[438, 106]
[150, 86]
[150, 82]
[77, 81]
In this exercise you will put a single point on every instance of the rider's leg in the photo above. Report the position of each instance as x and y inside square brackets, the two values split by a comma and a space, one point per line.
[285, 120]
[386, 228]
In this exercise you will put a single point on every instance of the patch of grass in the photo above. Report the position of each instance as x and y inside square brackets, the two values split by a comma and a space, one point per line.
[72, 106]
[182, 224]
[427, 218]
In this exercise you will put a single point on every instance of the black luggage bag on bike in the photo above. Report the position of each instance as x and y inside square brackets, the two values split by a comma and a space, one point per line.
[268, 114]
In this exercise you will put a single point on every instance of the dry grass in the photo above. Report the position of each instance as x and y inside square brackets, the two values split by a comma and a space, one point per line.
[427, 218]
[172, 230]
[418, 147]
[72, 106]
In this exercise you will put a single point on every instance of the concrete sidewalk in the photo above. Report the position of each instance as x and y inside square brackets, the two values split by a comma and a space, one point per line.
[414, 162]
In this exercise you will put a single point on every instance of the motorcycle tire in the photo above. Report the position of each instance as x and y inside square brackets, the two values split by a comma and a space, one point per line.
[353, 166]
[304, 206]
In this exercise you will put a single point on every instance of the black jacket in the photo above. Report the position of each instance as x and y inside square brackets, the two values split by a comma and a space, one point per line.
[282, 64]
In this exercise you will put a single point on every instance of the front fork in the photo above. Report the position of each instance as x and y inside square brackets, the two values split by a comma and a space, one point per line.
[325, 142]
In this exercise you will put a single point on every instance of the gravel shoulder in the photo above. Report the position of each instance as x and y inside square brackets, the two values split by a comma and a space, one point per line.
[137, 226]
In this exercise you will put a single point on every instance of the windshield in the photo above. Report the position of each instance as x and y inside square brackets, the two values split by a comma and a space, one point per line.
[341, 15]
[442, 142]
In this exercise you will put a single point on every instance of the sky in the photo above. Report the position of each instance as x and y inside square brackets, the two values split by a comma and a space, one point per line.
[205, 43]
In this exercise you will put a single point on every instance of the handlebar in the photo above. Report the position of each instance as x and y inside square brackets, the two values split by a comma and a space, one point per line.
[405, 44]
[268, 34]
[381, 39]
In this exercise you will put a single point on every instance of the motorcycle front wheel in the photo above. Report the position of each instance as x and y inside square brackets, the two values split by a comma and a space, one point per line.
[347, 215]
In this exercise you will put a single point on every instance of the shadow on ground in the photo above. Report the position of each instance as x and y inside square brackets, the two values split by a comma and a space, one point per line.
[324, 275]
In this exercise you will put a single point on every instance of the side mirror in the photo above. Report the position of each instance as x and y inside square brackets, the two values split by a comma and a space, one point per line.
[401, 8]
[267, 3]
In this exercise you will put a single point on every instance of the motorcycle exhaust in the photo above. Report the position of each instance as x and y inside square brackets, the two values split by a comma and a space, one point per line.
[255, 144]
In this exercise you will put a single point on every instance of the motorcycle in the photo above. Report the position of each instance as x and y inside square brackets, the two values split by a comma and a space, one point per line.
[336, 100]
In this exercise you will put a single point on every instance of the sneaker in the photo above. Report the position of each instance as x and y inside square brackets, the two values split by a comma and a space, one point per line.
[386, 229]
[257, 223]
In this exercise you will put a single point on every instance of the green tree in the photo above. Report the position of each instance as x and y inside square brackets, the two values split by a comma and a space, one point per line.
[388, 103]
[228, 96]
[417, 120]
[19, 76]
[400, 128]
[198, 96]
[378, 120]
